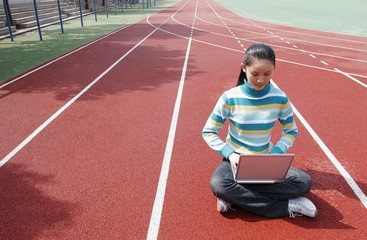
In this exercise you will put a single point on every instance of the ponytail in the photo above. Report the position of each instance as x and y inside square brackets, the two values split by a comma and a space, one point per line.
[241, 78]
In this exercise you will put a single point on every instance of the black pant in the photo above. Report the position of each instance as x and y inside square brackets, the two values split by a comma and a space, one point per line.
[269, 200]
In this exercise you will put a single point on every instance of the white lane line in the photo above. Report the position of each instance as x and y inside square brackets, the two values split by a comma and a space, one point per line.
[325, 63]
[63, 108]
[249, 39]
[155, 219]
[305, 34]
[356, 189]
[311, 55]
[241, 51]
[350, 77]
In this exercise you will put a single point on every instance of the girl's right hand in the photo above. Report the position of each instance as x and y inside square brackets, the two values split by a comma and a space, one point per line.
[234, 158]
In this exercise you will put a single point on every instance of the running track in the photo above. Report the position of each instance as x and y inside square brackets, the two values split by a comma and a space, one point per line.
[105, 142]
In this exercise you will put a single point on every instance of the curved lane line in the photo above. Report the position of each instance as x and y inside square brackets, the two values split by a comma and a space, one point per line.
[248, 40]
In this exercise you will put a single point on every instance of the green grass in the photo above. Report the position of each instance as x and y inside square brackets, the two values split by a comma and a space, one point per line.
[27, 51]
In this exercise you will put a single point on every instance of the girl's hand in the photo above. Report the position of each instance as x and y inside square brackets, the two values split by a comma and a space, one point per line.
[234, 158]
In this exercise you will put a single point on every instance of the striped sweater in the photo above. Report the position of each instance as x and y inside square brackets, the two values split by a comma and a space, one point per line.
[252, 115]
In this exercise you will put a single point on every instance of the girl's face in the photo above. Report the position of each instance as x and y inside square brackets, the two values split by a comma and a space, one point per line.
[259, 72]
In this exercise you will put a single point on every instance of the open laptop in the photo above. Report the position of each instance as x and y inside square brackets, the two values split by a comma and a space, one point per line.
[262, 168]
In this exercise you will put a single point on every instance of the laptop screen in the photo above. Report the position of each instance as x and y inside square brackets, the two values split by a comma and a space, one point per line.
[262, 168]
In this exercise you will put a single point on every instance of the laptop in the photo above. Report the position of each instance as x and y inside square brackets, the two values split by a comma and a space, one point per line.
[262, 168]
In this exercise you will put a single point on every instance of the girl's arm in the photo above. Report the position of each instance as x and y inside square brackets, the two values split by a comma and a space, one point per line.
[214, 124]
[289, 129]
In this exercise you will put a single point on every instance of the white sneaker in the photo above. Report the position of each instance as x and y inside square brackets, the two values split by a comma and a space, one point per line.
[222, 206]
[301, 206]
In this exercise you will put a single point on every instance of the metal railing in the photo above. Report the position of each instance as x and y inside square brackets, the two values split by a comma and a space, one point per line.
[87, 4]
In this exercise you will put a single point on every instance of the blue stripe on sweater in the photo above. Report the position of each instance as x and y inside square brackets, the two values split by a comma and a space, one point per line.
[287, 121]
[254, 127]
[217, 118]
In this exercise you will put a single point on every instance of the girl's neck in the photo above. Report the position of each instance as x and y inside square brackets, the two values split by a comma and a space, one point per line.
[247, 88]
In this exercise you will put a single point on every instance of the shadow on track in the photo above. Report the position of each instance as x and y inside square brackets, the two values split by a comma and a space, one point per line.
[145, 68]
[26, 211]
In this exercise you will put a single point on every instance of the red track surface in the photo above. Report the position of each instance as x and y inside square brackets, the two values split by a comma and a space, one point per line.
[92, 172]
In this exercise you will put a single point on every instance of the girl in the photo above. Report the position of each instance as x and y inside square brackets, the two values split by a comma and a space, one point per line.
[252, 108]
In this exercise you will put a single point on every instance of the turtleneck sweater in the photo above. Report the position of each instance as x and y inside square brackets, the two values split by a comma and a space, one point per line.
[252, 115]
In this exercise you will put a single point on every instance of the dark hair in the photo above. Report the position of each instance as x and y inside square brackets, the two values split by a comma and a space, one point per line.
[258, 51]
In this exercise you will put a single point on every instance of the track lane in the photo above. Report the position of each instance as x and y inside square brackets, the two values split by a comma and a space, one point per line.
[328, 109]
[50, 89]
[84, 209]
[194, 215]
[98, 158]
